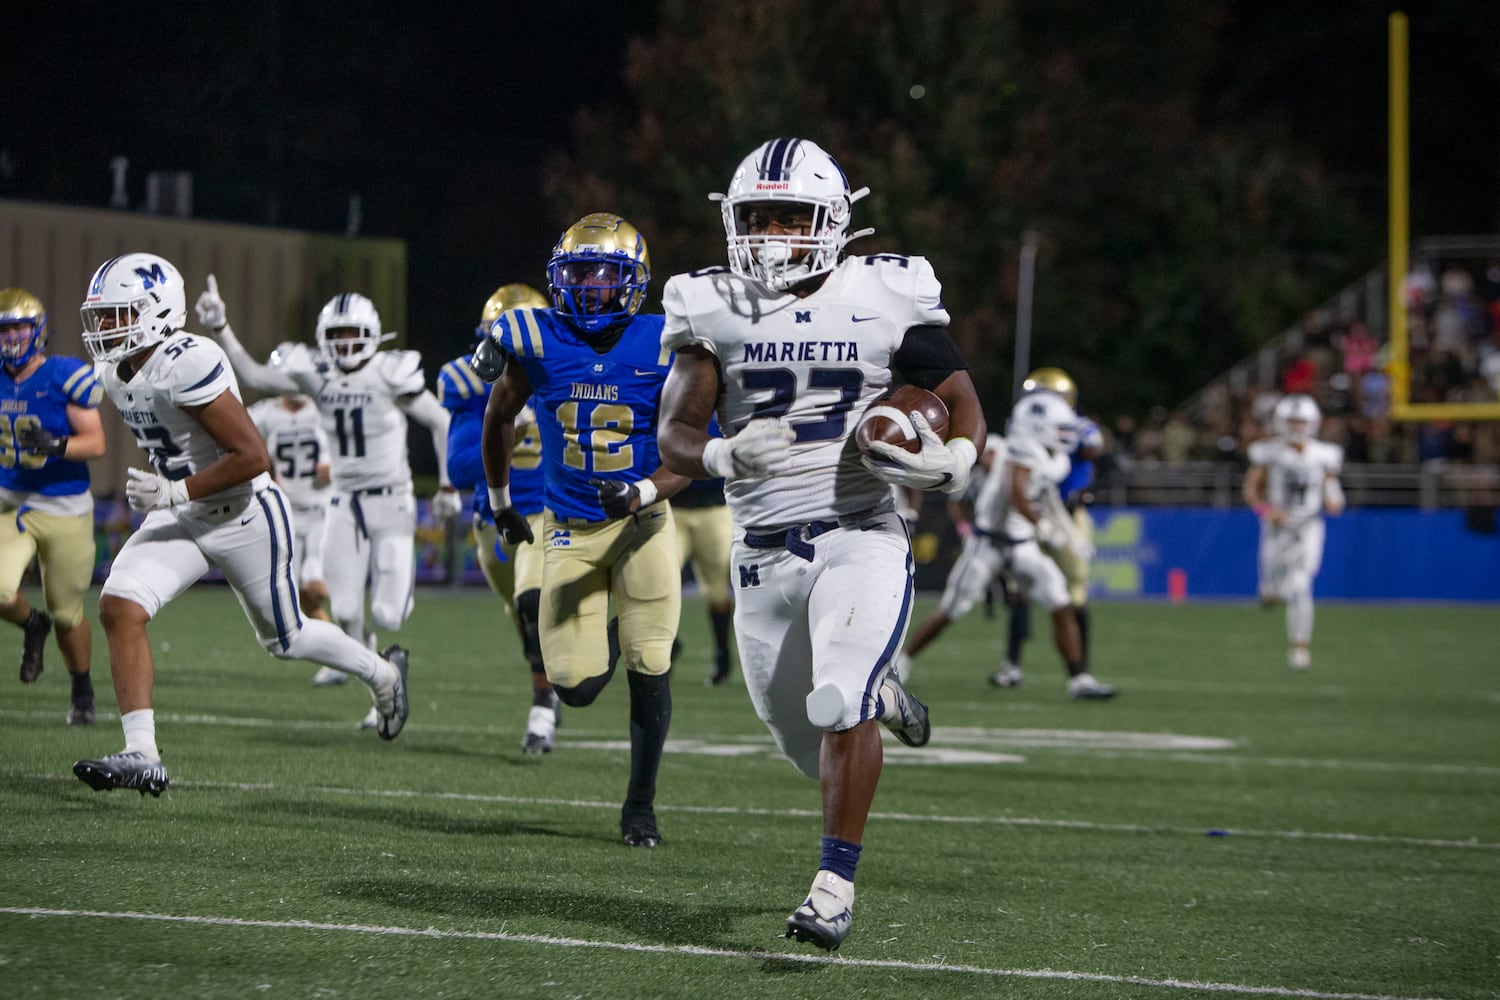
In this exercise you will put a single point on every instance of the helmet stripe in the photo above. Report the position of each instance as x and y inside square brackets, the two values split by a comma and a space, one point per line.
[100, 274]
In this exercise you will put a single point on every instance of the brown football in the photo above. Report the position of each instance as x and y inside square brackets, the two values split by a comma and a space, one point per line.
[887, 418]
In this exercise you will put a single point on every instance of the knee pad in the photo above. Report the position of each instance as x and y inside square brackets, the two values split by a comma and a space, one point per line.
[132, 589]
[585, 691]
[831, 707]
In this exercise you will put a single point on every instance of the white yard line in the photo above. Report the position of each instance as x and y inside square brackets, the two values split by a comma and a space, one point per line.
[694, 951]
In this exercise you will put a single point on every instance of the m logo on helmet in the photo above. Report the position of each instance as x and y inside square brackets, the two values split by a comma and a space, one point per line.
[152, 277]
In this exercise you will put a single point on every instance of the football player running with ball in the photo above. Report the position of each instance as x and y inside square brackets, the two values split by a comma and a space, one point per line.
[1293, 480]
[209, 502]
[593, 371]
[791, 342]
[363, 396]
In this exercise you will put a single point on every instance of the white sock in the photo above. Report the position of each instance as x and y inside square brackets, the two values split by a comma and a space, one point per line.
[326, 644]
[140, 731]
[1299, 617]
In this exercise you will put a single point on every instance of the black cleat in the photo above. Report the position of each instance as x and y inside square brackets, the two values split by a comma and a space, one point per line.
[638, 826]
[720, 676]
[36, 627]
[391, 723]
[81, 711]
[126, 769]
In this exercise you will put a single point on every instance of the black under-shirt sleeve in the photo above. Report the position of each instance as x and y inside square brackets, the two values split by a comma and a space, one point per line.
[927, 356]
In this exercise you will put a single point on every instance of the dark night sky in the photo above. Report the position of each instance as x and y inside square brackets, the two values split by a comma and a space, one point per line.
[442, 119]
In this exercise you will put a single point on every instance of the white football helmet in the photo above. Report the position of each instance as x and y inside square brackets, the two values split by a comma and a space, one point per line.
[1046, 418]
[793, 173]
[359, 334]
[133, 302]
[1296, 418]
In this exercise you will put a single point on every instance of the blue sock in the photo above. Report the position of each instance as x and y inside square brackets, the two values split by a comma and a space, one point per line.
[840, 857]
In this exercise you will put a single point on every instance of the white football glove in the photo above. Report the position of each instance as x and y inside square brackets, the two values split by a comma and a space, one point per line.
[763, 448]
[940, 465]
[1050, 535]
[211, 308]
[447, 503]
[148, 491]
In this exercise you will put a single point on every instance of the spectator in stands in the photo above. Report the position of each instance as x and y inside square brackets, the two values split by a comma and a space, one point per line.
[1178, 439]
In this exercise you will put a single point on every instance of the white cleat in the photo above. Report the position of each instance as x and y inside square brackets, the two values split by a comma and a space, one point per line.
[541, 725]
[371, 720]
[1087, 686]
[328, 677]
[1008, 676]
[1298, 658]
[825, 917]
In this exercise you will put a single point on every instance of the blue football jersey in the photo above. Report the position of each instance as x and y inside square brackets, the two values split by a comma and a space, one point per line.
[43, 398]
[1081, 473]
[465, 395]
[597, 412]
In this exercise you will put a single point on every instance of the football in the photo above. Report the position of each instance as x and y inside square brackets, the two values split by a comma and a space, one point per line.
[887, 418]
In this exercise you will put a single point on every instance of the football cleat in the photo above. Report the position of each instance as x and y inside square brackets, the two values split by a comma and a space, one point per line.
[390, 698]
[37, 629]
[1008, 676]
[81, 711]
[541, 727]
[904, 715]
[638, 826]
[720, 676]
[371, 719]
[328, 677]
[825, 916]
[1085, 685]
[1298, 658]
[126, 769]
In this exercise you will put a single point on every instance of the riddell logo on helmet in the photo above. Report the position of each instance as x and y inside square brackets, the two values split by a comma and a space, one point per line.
[773, 185]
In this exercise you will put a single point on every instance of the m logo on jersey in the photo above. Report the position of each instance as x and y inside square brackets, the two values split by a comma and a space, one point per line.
[803, 315]
[750, 576]
[152, 277]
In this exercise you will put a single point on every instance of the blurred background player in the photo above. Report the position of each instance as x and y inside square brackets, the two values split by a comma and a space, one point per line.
[513, 570]
[789, 344]
[363, 396]
[1010, 518]
[705, 536]
[208, 503]
[293, 433]
[49, 426]
[593, 370]
[1293, 479]
[1074, 560]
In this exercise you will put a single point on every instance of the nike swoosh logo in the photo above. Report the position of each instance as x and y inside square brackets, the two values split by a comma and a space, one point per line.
[862, 319]
[648, 371]
[246, 520]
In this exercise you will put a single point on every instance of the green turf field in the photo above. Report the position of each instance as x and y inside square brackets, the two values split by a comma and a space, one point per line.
[1037, 848]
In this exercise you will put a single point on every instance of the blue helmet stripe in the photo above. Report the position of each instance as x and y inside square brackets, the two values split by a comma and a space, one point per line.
[98, 284]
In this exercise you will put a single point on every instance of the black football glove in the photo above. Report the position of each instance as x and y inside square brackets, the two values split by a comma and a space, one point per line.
[35, 437]
[617, 497]
[512, 526]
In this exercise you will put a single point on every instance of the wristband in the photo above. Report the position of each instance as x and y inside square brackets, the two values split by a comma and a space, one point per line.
[647, 490]
[499, 498]
[963, 449]
[716, 458]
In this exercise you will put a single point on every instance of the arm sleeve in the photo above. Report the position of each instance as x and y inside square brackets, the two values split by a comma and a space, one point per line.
[425, 409]
[265, 378]
[465, 460]
[927, 356]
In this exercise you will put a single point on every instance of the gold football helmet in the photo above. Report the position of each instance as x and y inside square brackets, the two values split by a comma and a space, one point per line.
[599, 272]
[1054, 380]
[507, 297]
[23, 326]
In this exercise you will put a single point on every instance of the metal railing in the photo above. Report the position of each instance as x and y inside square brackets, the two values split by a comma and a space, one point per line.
[1431, 486]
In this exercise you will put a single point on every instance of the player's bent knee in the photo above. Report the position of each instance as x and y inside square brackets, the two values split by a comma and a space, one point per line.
[827, 707]
[584, 692]
[126, 602]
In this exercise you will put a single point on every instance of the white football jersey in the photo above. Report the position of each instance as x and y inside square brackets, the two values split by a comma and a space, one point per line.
[366, 430]
[1295, 477]
[993, 511]
[184, 370]
[815, 362]
[297, 445]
